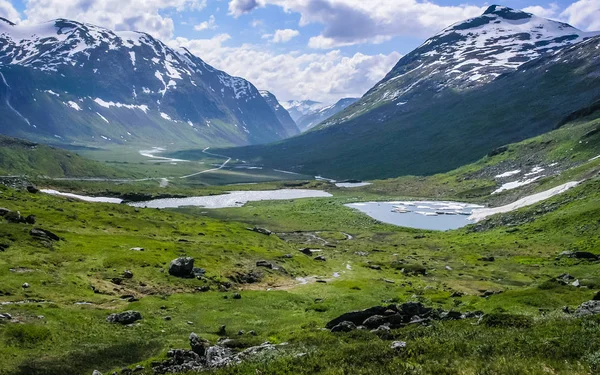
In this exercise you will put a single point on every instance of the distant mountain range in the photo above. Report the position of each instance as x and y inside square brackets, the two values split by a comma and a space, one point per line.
[68, 82]
[502, 77]
[307, 113]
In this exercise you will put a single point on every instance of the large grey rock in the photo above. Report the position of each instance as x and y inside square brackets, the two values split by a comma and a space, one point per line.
[126, 317]
[182, 267]
[13, 217]
[588, 308]
[43, 234]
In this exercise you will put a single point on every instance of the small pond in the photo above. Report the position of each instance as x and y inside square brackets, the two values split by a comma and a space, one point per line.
[429, 215]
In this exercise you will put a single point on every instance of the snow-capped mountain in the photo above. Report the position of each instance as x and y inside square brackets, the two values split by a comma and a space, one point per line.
[282, 114]
[78, 83]
[468, 54]
[313, 119]
[478, 85]
[307, 113]
[299, 108]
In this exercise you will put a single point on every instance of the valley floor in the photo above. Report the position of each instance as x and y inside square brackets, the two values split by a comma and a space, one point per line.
[56, 293]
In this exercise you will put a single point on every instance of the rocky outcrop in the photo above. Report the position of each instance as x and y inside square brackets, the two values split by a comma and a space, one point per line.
[126, 317]
[264, 231]
[588, 308]
[393, 316]
[205, 357]
[43, 234]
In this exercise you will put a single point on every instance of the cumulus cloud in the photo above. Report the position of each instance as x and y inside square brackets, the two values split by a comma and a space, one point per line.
[285, 35]
[141, 15]
[550, 12]
[239, 7]
[584, 14]
[207, 25]
[324, 77]
[349, 22]
[9, 12]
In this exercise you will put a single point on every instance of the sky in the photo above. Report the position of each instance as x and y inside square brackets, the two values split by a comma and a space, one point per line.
[321, 50]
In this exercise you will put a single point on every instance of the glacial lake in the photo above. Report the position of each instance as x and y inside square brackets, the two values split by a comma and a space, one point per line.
[430, 215]
[231, 199]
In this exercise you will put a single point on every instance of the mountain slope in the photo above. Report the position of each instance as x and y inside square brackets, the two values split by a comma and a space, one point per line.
[288, 124]
[19, 157]
[299, 108]
[312, 119]
[424, 119]
[71, 82]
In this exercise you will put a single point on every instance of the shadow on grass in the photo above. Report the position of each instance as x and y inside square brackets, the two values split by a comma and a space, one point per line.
[89, 358]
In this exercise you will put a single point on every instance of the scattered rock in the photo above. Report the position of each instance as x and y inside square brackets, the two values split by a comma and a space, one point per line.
[488, 293]
[487, 259]
[264, 263]
[4, 211]
[307, 251]
[237, 296]
[596, 297]
[30, 219]
[4, 246]
[167, 318]
[43, 234]
[584, 255]
[345, 326]
[5, 316]
[260, 230]
[96, 372]
[137, 249]
[222, 330]
[204, 288]
[398, 345]
[126, 317]
[564, 278]
[182, 267]
[375, 267]
[250, 277]
[588, 308]
[127, 274]
[320, 258]
[252, 333]
[25, 286]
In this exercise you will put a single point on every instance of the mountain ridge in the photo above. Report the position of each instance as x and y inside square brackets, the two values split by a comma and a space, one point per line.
[89, 83]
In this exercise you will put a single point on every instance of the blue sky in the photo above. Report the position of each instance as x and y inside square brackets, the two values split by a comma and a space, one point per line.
[298, 49]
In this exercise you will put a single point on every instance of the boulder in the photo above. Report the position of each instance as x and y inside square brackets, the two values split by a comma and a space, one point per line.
[182, 267]
[126, 317]
[43, 234]
[584, 255]
[487, 259]
[30, 219]
[356, 317]
[596, 296]
[413, 309]
[588, 308]
[14, 217]
[32, 189]
[127, 274]
[198, 344]
[4, 211]
[320, 258]
[345, 326]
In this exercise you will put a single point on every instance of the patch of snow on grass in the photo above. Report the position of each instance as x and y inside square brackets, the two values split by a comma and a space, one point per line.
[515, 184]
[508, 174]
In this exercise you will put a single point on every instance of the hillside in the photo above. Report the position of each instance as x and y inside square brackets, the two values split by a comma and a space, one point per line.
[431, 129]
[315, 117]
[69, 82]
[282, 114]
[24, 158]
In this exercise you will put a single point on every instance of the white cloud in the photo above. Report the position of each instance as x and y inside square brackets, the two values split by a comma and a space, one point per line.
[285, 35]
[584, 14]
[207, 25]
[9, 12]
[549, 12]
[324, 77]
[239, 7]
[141, 15]
[349, 22]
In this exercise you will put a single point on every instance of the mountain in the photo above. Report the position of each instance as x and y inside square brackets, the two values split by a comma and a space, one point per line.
[299, 108]
[288, 124]
[495, 79]
[69, 82]
[311, 119]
